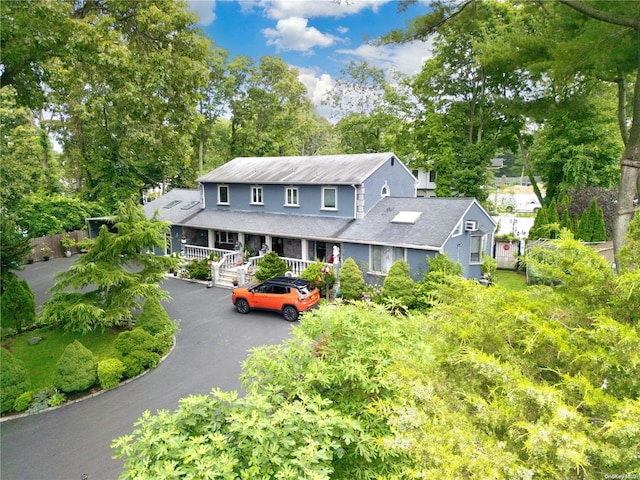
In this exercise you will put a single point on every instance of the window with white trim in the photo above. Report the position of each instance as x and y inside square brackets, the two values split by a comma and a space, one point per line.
[256, 196]
[477, 245]
[329, 198]
[291, 197]
[382, 257]
[223, 194]
[385, 191]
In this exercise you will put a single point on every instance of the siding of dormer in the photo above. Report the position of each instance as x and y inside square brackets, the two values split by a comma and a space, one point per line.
[309, 199]
[396, 176]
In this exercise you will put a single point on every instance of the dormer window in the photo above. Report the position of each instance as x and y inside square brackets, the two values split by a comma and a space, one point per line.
[256, 196]
[329, 198]
[223, 194]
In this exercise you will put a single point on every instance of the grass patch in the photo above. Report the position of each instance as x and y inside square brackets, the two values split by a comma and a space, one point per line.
[510, 280]
[41, 359]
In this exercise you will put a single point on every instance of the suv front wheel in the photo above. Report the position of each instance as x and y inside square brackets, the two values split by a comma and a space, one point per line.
[242, 306]
[289, 313]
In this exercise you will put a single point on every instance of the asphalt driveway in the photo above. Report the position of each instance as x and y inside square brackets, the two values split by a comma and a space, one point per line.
[74, 440]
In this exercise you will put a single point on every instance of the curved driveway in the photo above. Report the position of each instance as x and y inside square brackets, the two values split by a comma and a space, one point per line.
[74, 440]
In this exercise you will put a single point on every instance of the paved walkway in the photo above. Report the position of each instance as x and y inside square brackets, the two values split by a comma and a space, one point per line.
[68, 442]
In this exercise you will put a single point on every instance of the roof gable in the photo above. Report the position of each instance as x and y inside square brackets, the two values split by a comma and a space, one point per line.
[317, 169]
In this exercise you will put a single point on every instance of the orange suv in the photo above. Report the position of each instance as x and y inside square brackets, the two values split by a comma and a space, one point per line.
[287, 295]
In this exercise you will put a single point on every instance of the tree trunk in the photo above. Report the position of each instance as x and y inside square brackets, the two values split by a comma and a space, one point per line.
[629, 173]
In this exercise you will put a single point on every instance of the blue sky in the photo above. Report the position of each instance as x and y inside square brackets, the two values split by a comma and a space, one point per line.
[318, 37]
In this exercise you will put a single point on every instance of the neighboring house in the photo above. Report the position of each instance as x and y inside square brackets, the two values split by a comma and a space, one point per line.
[301, 207]
[426, 186]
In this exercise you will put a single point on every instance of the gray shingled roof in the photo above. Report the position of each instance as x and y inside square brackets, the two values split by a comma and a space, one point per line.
[318, 169]
[176, 214]
[438, 219]
[317, 227]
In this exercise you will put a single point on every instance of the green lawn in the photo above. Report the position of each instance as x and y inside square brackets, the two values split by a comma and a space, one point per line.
[41, 359]
[509, 279]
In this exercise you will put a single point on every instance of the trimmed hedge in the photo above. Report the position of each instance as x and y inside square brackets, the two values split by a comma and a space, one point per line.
[153, 318]
[351, 280]
[76, 369]
[139, 350]
[269, 266]
[110, 372]
[398, 284]
[14, 380]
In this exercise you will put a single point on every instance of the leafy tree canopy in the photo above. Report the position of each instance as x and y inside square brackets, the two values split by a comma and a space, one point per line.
[106, 285]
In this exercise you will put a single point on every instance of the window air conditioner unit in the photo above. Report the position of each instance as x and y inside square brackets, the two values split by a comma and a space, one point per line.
[471, 225]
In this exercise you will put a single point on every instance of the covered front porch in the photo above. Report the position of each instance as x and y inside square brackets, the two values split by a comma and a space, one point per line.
[230, 267]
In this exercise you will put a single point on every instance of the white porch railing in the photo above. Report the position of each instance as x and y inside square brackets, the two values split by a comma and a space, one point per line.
[234, 261]
[296, 265]
[200, 253]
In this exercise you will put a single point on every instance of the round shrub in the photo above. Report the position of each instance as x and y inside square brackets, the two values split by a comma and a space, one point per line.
[136, 339]
[199, 270]
[269, 266]
[23, 401]
[137, 361]
[398, 284]
[153, 318]
[351, 280]
[318, 273]
[14, 379]
[110, 372]
[76, 369]
[18, 304]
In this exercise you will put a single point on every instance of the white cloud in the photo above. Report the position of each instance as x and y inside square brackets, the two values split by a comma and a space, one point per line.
[318, 84]
[294, 34]
[279, 9]
[407, 58]
[205, 9]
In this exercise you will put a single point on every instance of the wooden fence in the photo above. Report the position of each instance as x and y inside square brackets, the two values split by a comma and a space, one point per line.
[53, 243]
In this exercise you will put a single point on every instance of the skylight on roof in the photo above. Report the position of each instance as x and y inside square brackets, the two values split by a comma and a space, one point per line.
[172, 204]
[406, 217]
[190, 205]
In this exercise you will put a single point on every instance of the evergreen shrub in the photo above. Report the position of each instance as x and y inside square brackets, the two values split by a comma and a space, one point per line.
[17, 304]
[269, 266]
[110, 372]
[351, 280]
[153, 318]
[76, 369]
[199, 270]
[23, 401]
[139, 350]
[138, 361]
[398, 284]
[14, 379]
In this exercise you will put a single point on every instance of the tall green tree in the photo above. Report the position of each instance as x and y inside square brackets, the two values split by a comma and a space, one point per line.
[614, 27]
[105, 286]
[270, 112]
[121, 79]
[22, 151]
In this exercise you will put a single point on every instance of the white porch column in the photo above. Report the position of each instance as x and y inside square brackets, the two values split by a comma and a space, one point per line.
[241, 238]
[211, 238]
[304, 244]
[269, 241]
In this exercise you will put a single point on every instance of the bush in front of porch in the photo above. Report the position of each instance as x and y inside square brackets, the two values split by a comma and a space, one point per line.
[271, 265]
